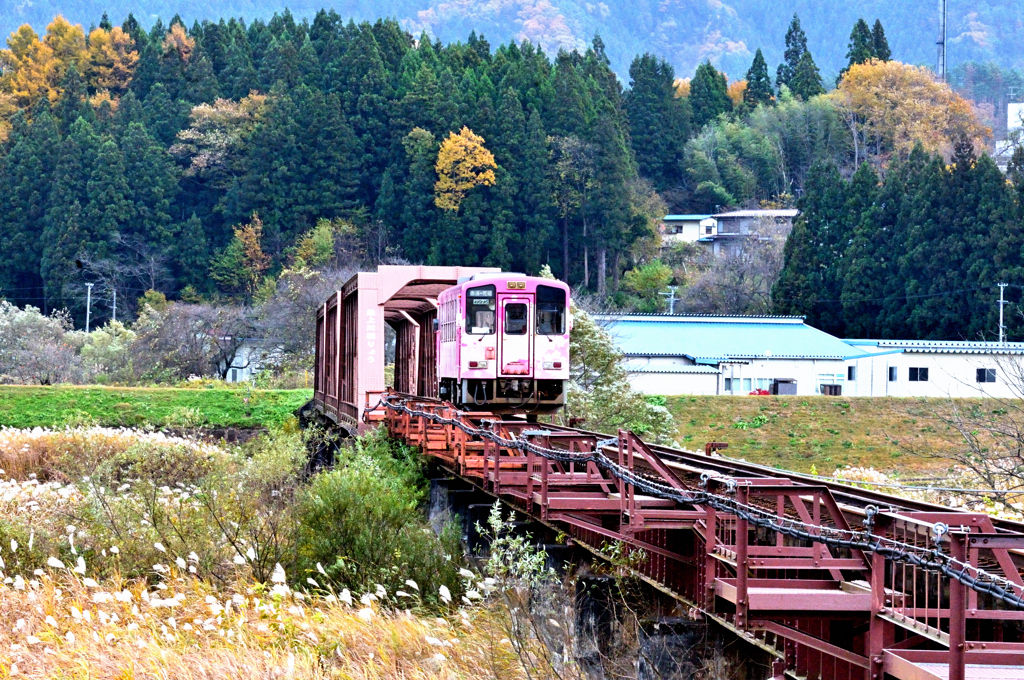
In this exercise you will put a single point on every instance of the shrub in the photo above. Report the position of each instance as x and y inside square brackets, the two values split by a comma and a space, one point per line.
[361, 521]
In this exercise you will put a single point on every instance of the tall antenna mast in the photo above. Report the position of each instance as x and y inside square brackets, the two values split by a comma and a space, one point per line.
[940, 69]
[1002, 302]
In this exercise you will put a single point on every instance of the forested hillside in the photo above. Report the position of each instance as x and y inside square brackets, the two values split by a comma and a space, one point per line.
[685, 33]
[240, 163]
[191, 161]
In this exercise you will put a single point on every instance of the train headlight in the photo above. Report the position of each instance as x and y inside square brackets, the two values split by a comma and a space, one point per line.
[552, 365]
[478, 364]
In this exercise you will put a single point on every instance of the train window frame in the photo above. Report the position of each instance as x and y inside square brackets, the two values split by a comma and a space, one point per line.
[545, 325]
[446, 313]
[471, 311]
[525, 320]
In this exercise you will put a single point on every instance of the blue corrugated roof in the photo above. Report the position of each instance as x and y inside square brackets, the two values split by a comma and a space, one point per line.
[686, 217]
[707, 340]
[940, 346]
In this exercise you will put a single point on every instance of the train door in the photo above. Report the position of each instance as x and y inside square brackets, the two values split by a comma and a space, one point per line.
[515, 351]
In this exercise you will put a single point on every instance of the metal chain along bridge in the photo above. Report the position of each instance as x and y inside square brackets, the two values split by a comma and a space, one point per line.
[831, 580]
[836, 581]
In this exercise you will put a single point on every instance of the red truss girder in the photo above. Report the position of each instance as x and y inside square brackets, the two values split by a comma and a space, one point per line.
[826, 613]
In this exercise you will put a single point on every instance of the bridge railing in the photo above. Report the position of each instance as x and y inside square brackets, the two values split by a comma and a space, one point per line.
[774, 558]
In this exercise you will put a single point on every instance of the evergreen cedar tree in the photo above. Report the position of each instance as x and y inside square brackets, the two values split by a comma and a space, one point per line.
[879, 43]
[659, 122]
[796, 45]
[759, 83]
[915, 255]
[798, 71]
[866, 44]
[708, 94]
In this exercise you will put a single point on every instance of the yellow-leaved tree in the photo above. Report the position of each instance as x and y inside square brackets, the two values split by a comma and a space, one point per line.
[178, 41]
[33, 68]
[67, 42]
[735, 91]
[26, 66]
[462, 164]
[890, 106]
[112, 60]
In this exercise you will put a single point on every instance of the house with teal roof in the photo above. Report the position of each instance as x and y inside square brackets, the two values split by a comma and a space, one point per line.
[706, 354]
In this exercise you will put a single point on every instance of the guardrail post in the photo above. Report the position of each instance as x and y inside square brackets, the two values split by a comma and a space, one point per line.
[530, 461]
[957, 610]
[496, 487]
[742, 602]
[619, 483]
[632, 501]
[544, 464]
[710, 563]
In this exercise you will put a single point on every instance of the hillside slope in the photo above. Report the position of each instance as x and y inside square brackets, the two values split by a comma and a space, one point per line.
[684, 31]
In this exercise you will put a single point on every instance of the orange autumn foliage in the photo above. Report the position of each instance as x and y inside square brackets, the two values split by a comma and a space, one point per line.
[891, 106]
[112, 60]
[735, 91]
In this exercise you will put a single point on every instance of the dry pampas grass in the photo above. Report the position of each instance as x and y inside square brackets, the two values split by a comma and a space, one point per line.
[62, 625]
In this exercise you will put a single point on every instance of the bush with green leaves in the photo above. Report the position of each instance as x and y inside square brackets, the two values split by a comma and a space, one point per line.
[361, 521]
[599, 389]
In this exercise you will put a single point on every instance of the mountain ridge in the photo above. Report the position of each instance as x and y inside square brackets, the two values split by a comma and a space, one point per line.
[684, 32]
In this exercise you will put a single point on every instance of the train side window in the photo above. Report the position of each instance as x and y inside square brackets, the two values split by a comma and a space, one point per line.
[516, 317]
[550, 310]
[480, 309]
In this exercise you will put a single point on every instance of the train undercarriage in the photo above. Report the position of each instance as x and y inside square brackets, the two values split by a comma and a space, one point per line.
[505, 395]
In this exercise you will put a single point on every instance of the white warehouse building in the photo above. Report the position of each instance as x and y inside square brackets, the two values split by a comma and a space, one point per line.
[673, 355]
[706, 355]
[935, 368]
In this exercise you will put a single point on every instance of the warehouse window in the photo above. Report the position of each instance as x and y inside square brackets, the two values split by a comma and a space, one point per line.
[986, 375]
[851, 372]
[918, 375]
[728, 385]
[892, 374]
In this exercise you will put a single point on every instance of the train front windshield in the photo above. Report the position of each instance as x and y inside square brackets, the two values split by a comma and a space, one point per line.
[550, 310]
[480, 308]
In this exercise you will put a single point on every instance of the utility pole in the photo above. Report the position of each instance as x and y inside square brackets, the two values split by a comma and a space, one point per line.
[115, 304]
[940, 69]
[1002, 302]
[671, 295]
[88, 304]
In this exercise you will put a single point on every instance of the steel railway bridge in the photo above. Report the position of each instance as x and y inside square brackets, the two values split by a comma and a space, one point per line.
[830, 580]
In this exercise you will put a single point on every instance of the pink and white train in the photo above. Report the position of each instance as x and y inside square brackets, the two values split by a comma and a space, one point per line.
[503, 343]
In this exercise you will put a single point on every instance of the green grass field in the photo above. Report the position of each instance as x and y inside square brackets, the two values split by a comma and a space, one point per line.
[146, 406]
[795, 433]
